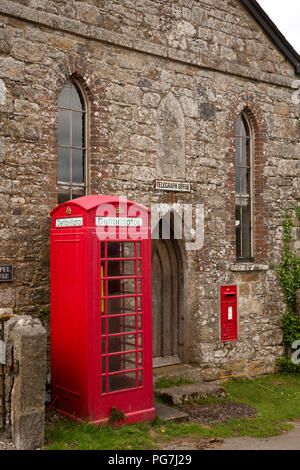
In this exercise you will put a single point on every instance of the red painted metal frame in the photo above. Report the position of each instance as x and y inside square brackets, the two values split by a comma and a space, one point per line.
[77, 317]
[229, 320]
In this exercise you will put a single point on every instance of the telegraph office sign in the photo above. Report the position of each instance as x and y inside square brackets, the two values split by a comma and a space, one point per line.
[6, 273]
[180, 186]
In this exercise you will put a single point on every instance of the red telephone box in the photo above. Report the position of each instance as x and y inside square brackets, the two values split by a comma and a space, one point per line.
[101, 325]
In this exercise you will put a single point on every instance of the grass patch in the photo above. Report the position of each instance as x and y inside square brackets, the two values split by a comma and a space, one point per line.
[275, 397]
[166, 382]
[70, 435]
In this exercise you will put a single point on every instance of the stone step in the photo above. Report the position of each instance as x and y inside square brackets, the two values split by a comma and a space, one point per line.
[182, 394]
[166, 413]
[176, 372]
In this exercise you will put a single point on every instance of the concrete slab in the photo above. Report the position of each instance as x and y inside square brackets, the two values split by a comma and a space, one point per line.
[286, 441]
[191, 392]
[166, 413]
[176, 372]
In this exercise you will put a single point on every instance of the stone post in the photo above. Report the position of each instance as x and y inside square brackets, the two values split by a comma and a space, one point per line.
[29, 339]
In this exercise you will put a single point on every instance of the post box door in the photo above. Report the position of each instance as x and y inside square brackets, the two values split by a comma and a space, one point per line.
[228, 313]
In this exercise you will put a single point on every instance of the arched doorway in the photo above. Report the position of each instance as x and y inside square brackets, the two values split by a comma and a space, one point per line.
[167, 284]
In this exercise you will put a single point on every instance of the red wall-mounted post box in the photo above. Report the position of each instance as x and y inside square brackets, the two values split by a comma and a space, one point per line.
[101, 325]
[229, 330]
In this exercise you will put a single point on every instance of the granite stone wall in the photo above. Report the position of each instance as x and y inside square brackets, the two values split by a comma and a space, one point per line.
[162, 79]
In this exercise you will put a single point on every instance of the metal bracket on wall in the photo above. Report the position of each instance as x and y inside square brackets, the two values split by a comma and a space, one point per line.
[12, 369]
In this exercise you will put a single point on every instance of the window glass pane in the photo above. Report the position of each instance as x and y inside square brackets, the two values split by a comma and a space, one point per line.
[238, 126]
[76, 99]
[238, 230]
[64, 96]
[121, 324]
[121, 250]
[64, 136]
[121, 362]
[121, 286]
[63, 164]
[103, 389]
[243, 181]
[248, 152]
[246, 129]
[77, 192]
[243, 129]
[63, 196]
[237, 180]
[119, 306]
[237, 152]
[140, 359]
[140, 378]
[121, 343]
[121, 268]
[243, 188]
[71, 133]
[77, 166]
[246, 229]
[243, 156]
[77, 129]
[121, 381]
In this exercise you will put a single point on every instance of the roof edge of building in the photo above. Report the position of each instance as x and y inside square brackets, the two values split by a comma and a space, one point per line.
[273, 32]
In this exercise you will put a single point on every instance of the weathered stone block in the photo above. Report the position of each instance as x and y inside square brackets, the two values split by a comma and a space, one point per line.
[29, 339]
[207, 111]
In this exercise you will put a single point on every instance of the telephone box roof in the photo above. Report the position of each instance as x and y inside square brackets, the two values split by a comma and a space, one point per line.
[90, 202]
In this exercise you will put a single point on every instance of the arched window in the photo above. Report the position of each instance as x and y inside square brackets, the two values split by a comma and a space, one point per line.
[71, 143]
[243, 188]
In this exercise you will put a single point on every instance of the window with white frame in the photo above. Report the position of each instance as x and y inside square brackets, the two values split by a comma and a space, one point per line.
[72, 126]
[243, 188]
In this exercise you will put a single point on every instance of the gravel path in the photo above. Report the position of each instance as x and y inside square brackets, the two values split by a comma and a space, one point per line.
[217, 413]
[287, 441]
[5, 443]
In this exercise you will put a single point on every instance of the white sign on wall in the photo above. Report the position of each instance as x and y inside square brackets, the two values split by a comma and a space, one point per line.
[69, 222]
[180, 186]
[2, 352]
[119, 221]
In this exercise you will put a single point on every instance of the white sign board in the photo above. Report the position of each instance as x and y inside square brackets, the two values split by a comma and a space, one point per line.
[69, 222]
[119, 221]
[173, 186]
[229, 313]
[2, 352]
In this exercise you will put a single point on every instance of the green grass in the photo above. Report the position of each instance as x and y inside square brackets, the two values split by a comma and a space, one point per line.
[69, 435]
[166, 382]
[275, 397]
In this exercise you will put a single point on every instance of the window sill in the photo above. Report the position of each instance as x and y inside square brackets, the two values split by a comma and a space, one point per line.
[249, 267]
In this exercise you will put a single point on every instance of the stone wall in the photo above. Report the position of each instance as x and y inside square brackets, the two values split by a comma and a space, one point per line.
[208, 60]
